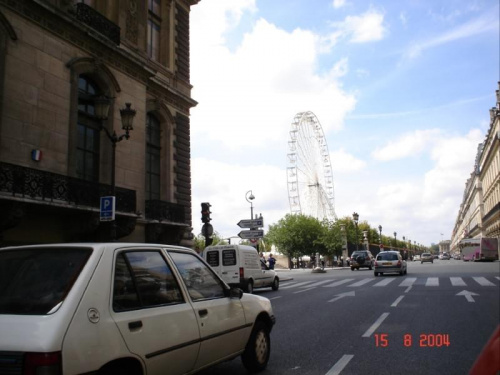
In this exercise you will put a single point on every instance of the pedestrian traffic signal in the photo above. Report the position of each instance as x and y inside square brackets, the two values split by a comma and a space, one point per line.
[205, 212]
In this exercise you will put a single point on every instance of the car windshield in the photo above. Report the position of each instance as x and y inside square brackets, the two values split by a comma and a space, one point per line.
[36, 281]
[387, 256]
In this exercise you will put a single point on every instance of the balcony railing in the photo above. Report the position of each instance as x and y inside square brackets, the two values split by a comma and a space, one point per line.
[164, 211]
[98, 22]
[44, 186]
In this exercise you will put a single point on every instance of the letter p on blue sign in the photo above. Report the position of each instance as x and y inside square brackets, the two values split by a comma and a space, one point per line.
[107, 208]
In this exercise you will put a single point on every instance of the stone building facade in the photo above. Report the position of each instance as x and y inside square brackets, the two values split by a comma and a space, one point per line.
[479, 213]
[60, 61]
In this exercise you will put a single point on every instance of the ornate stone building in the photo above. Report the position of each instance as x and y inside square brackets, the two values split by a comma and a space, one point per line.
[479, 214]
[71, 74]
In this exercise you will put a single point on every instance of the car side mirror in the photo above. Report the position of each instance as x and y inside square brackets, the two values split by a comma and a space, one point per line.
[234, 293]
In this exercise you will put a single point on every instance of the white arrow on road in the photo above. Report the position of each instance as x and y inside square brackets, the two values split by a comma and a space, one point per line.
[341, 295]
[468, 295]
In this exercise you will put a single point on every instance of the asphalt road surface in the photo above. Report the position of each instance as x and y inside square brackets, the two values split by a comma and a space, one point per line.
[434, 320]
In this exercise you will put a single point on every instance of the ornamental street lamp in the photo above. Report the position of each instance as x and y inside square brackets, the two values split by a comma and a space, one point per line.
[250, 197]
[344, 244]
[355, 217]
[102, 104]
[395, 240]
[380, 237]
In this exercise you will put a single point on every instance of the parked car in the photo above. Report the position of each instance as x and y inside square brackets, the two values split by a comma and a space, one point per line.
[390, 262]
[416, 257]
[362, 258]
[240, 266]
[445, 256]
[426, 257]
[123, 308]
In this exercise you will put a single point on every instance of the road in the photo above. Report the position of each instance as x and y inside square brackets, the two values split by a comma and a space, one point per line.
[434, 320]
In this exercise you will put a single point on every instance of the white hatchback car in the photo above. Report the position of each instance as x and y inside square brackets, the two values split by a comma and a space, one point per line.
[123, 308]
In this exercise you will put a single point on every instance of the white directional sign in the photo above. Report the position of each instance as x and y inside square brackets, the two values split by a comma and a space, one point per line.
[256, 223]
[247, 234]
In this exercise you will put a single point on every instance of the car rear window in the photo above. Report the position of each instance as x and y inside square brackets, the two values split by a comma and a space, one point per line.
[36, 281]
[387, 256]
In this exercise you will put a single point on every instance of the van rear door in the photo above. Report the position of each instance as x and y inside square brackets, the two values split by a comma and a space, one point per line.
[224, 261]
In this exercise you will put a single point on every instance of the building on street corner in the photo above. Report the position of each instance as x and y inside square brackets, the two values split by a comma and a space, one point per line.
[479, 213]
[72, 73]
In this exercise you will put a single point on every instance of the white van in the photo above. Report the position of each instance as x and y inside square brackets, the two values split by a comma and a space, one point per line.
[240, 266]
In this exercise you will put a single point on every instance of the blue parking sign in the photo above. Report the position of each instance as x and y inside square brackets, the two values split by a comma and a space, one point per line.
[107, 208]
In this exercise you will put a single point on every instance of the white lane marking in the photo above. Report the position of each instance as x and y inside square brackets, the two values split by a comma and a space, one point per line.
[337, 283]
[342, 295]
[375, 325]
[275, 298]
[409, 281]
[497, 277]
[303, 290]
[339, 366]
[408, 289]
[457, 281]
[483, 282]
[395, 303]
[432, 281]
[295, 285]
[362, 282]
[384, 282]
[318, 283]
[468, 295]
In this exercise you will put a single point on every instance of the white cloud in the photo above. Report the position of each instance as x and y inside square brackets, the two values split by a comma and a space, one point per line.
[367, 27]
[486, 23]
[407, 145]
[339, 3]
[260, 86]
[343, 162]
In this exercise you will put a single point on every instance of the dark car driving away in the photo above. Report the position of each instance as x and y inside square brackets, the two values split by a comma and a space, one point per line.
[362, 258]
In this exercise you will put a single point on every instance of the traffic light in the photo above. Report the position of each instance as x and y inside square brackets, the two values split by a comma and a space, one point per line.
[205, 212]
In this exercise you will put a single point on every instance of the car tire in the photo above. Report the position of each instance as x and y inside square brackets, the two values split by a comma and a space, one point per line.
[276, 284]
[352, 268]
[401, 273]
[376, 274]
[249, 288]
[370, 268]
[258, 349]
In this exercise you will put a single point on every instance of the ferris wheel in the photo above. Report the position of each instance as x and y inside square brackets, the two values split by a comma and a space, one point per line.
[309, 170]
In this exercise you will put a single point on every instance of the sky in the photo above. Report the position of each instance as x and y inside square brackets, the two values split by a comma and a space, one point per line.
[401, 91]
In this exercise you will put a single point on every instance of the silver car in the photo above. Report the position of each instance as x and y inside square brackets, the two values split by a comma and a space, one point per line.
[390, 262]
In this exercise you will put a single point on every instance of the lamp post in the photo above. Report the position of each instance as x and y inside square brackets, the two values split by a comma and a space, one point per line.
[365, 240]
[102, 104]
[250, 197]
[355, 217]
[344, 243]
[380, 236]
[395, 240]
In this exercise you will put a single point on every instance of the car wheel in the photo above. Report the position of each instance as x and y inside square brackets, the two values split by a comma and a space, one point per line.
[276, 284]
[401, 273]
[376, 274]
[258, 349]
[370, 268]
[250, 287]
[406, 271]
[352, 268]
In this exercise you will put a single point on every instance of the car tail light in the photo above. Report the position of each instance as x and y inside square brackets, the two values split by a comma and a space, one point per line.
[376, 264]
[242, 273]
[399, 263]
[43, 363]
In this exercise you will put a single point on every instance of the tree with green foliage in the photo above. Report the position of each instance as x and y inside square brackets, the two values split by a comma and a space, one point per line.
[199, 241]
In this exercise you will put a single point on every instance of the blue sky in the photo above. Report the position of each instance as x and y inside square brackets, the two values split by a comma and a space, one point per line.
[402, 90]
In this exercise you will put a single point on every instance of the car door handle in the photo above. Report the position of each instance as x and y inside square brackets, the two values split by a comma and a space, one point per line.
[203, 313]
[135, 325]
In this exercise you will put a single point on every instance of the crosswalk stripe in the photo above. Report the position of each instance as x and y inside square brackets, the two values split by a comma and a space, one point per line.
[318, 283]
[497, 277]
[432, 281]
[384, 282]
[457, 281]
[362, 282]
[337, 283]
[295, 285]
[483, 282]
[409, 281]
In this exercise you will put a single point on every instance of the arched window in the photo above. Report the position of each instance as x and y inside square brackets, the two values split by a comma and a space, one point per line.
[87, 147]
[153, 158]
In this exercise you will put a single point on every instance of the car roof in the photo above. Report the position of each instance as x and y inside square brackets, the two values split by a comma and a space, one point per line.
[99, 245]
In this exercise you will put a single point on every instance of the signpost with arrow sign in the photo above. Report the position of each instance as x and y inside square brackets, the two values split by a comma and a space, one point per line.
[252, 224]
[248, 234]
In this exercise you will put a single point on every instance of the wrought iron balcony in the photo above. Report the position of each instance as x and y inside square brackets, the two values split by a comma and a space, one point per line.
[37, 185]
[164, 211]
[98, 22]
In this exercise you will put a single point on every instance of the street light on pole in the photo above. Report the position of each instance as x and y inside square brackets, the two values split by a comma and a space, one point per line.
[102, 105]
[250, 197]
[395, 240]
[380, 236]
[355, 217]
[344, 244]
